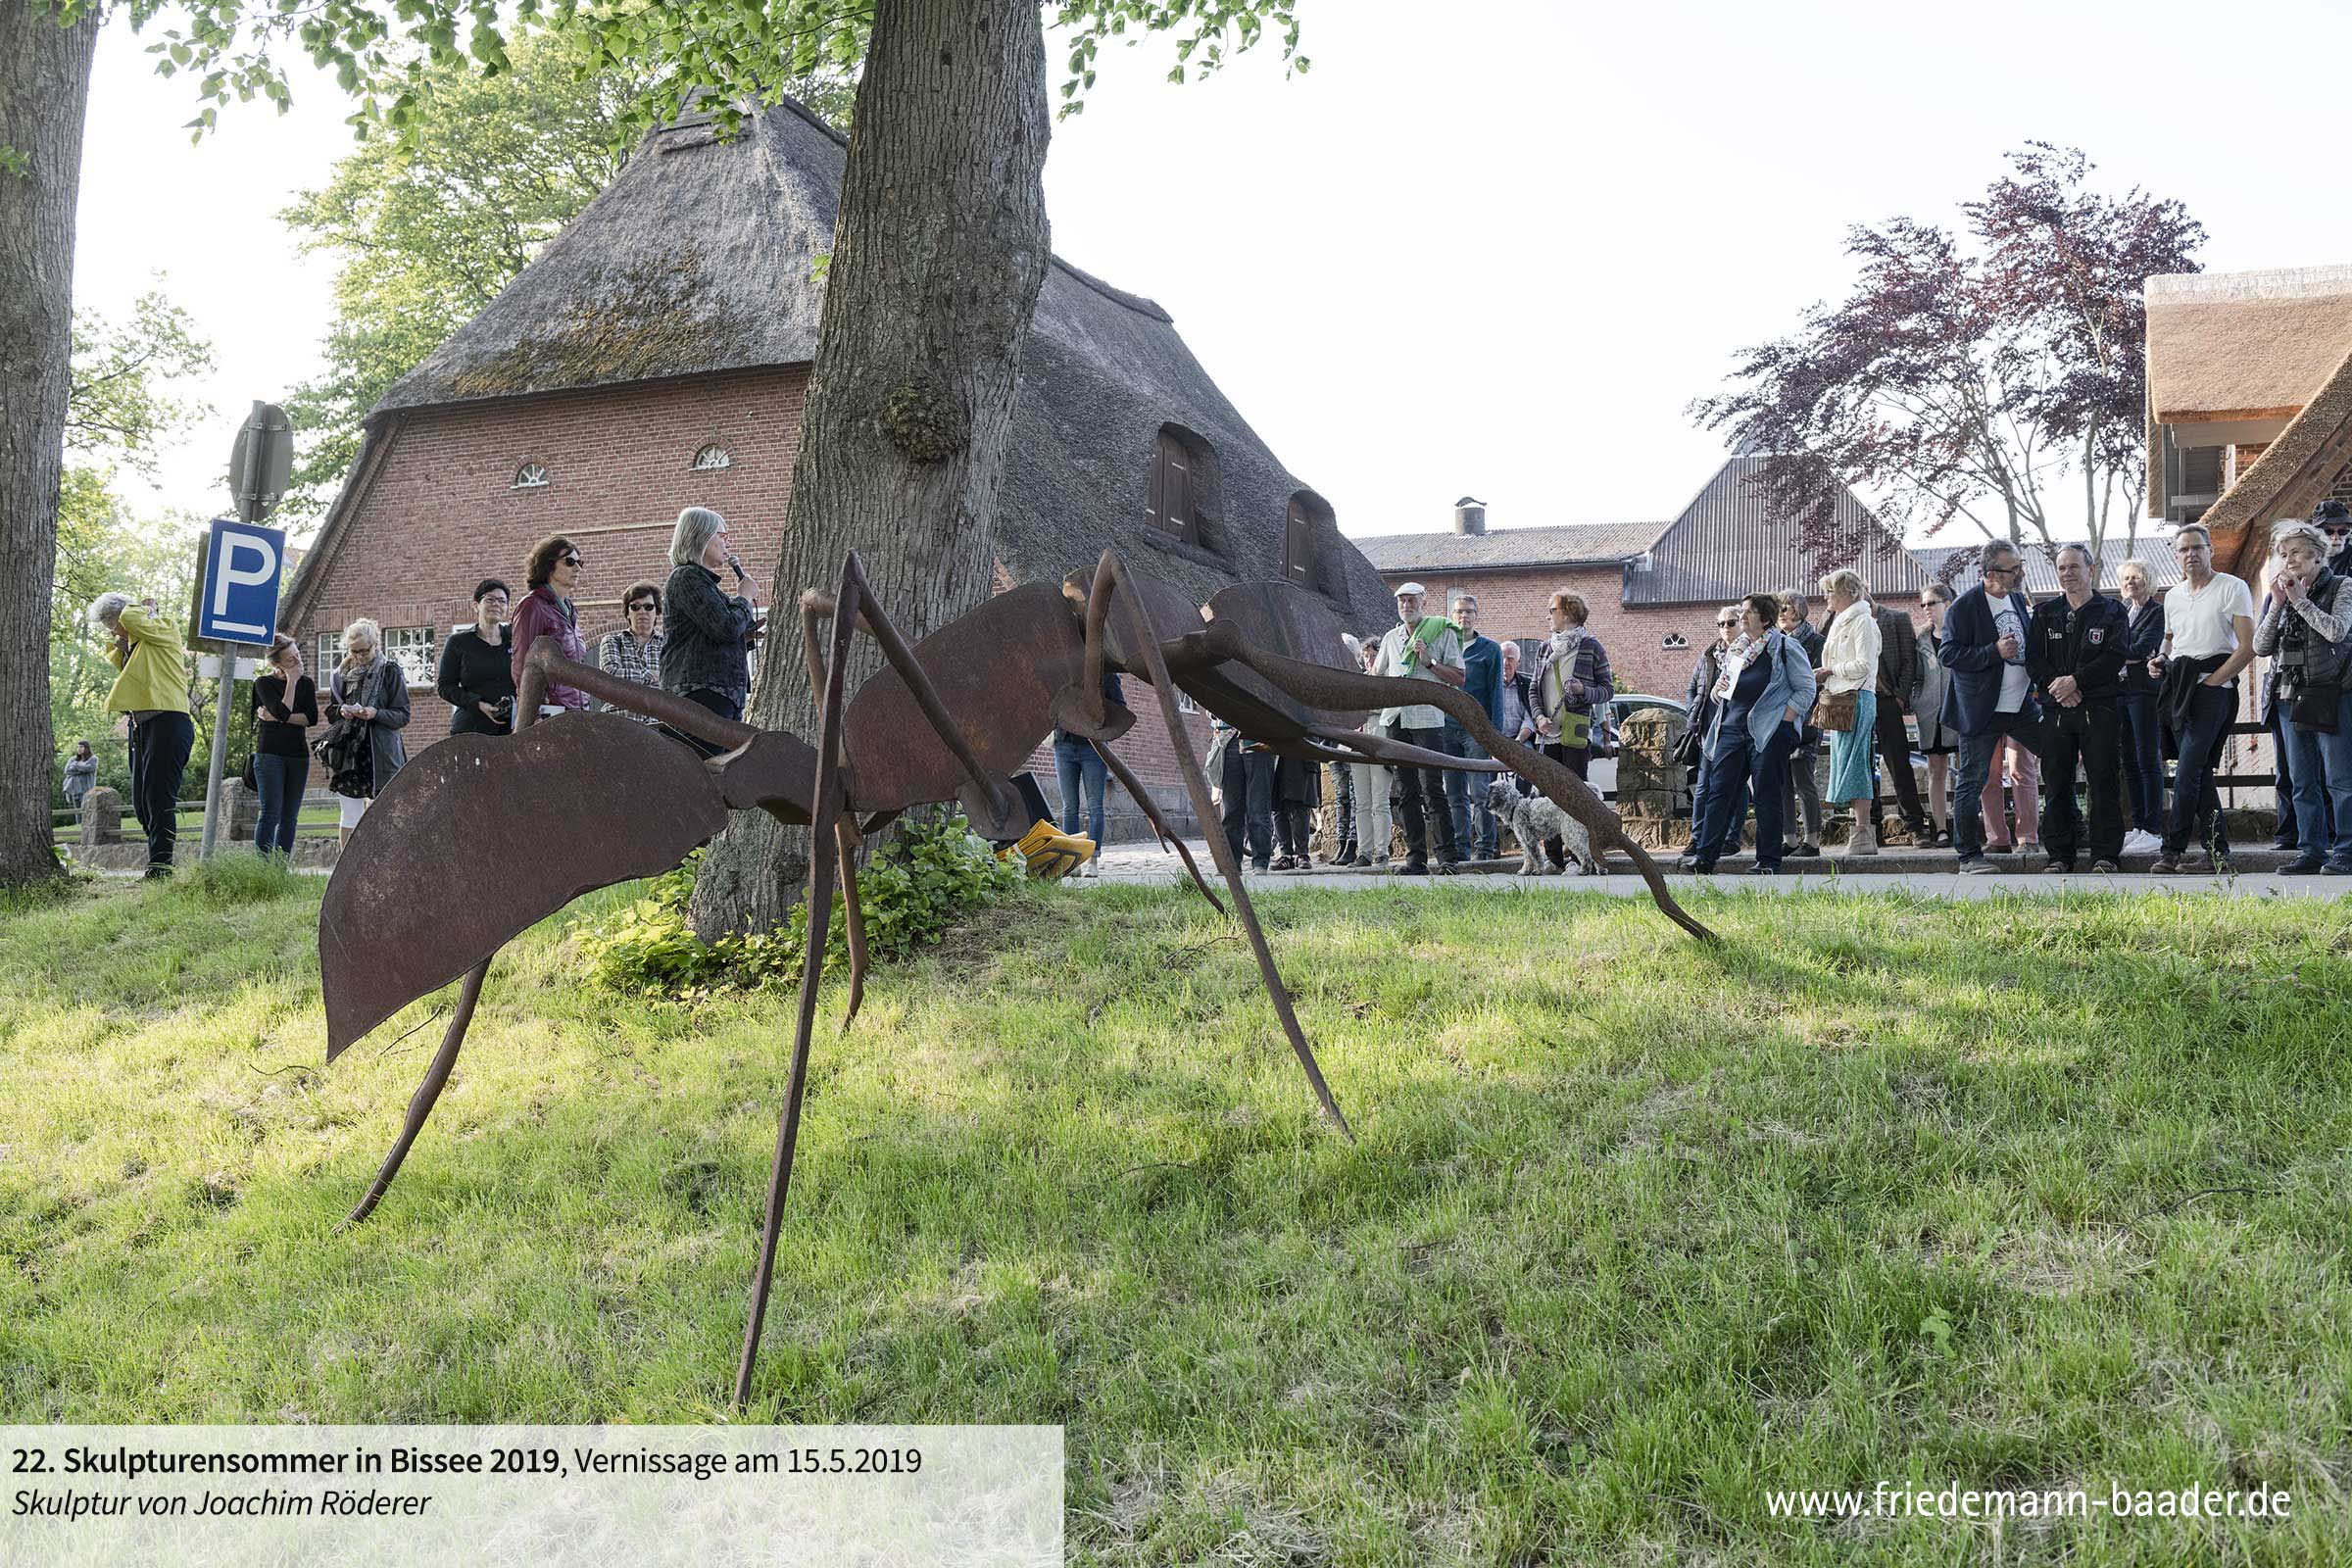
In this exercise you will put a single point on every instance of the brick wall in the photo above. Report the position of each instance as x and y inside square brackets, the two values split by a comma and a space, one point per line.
[441, 512]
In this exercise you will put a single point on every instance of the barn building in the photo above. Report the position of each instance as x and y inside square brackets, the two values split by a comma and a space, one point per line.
[1654, 588]
[656, 354]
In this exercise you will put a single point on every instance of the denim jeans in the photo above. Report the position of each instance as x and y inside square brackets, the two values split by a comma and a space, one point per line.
[1976, 754]
[2197, 803]
[279, 780]
[2142, 761]
[1733, 775]
[2324, 786]
[1080, 769]
[1458, 787]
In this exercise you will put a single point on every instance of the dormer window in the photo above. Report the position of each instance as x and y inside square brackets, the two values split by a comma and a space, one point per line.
[531, 476]
[711, 459]
[1180, 483]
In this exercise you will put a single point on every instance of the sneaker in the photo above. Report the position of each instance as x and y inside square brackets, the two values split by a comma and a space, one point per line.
[1807, 851]
[1977, 865]
[1257, 867]
[2102, 868]
[1410, 869]
[2337, 868]
[2059, 868]
[159, 873]
[1763, 870]
[2197, 861]
[2166, 864]
[2029, 846]
[1997, 849]
[2139, 841]
[1090, 868]
[2306, 866]
[1943, 838]
[1285, 862]
[1346, 856]
[1702, 868]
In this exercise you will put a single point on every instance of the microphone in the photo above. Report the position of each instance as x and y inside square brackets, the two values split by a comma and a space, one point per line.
[735, 565]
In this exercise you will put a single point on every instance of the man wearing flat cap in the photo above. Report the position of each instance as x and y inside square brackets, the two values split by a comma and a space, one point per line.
[1419, 648]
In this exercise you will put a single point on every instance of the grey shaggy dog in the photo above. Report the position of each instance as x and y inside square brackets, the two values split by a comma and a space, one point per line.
[1533, 818]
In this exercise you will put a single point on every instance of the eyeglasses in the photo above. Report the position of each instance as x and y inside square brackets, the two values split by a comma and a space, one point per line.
[1727, 621]
[571, 560]
[645, 605]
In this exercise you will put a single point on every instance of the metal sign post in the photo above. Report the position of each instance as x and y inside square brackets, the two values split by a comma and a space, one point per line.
[243, 565]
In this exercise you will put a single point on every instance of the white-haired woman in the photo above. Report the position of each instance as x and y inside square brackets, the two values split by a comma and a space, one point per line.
[152, 692]
[708, 633]
[371, 692]
[1848, 675]
[2305, 627]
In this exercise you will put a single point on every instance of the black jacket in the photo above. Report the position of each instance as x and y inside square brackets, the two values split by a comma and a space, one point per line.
[1972, 653]
[2089, 644]
[1898, 653]
[472, 671]
[707, 635]
[2145, 640]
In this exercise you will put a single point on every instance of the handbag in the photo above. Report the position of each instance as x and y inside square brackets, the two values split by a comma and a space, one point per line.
[1838, 711]
[245, 774]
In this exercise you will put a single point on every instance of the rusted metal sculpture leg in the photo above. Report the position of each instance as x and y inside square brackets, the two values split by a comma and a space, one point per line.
[812, 969]
[1334, 690]
[420, 1103]
[1168, 836]
[1196, 784]
[846, 837]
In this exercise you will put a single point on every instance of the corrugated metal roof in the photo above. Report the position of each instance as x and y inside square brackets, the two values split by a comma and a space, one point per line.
[1580, 544]
[2042, 570]
[1728, 543]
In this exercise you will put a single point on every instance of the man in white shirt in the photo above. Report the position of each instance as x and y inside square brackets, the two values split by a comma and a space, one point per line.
[2209, 637]
[1421, 791]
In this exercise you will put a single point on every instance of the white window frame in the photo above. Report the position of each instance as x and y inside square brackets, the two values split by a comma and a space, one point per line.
[413, 646]
[530, 476]
[711, 459]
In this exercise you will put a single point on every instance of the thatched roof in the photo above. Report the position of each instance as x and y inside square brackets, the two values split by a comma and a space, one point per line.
[1729, 542]
[2293, 473]
[1579, 544]
[700, 257]
[2245, 345]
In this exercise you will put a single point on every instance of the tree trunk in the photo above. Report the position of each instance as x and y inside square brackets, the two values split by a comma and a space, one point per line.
[938, 256]
[44, 91]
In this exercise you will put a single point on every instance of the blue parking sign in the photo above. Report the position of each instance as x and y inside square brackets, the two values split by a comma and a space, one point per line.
[242, 567]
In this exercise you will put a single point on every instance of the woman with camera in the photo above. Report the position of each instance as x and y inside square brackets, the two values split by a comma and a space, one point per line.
[476, 678]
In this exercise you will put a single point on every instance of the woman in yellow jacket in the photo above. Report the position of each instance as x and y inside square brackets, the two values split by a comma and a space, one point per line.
[153, 691]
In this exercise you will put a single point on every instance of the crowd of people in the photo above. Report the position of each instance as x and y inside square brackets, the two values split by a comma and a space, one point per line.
[687, 636]
[2014, 703]
[2032, 700]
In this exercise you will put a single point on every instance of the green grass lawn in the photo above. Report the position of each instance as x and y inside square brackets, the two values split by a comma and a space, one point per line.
[2016, 1193]
[311, 819]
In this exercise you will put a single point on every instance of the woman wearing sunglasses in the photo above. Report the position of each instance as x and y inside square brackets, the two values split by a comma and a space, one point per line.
[553, 573]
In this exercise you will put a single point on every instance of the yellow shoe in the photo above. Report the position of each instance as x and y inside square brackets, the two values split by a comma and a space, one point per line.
[1050, 854]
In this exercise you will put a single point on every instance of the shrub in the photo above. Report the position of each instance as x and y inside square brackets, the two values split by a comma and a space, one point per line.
[909, 894]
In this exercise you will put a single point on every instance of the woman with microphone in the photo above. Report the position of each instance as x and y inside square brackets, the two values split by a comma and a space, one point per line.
[708, 633]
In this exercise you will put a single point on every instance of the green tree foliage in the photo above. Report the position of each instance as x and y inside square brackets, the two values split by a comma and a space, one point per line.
[430, 228]
[395, 59]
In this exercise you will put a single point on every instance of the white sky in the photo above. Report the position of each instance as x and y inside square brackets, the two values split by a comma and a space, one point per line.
[1497, 256]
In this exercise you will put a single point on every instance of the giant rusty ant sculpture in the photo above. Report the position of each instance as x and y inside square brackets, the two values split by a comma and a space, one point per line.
[946, 719]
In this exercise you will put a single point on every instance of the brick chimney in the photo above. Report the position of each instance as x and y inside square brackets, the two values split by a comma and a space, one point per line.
[1469, 515]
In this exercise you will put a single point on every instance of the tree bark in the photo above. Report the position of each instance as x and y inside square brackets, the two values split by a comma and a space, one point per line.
[938, 256]
[44, 94]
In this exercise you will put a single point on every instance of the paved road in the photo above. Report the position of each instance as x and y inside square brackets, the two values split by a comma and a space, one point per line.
[1930, 873]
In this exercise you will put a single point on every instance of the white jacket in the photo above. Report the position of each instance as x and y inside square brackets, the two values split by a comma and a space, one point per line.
[1849, 649]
